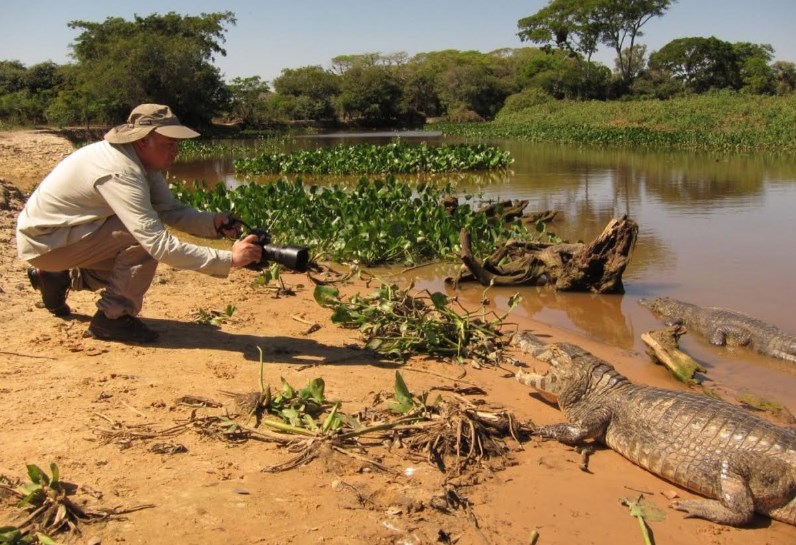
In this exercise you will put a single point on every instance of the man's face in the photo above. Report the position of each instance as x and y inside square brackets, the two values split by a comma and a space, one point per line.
[157, 152]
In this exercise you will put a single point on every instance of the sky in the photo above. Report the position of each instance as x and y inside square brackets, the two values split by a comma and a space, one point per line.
[273, 35]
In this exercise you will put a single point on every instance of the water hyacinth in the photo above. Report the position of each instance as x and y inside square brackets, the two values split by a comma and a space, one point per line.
[375, 222]
[393, 158]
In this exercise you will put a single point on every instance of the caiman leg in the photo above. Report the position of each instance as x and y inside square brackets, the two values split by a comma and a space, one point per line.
[592, 427]
[735, 507]
[729, 335]
[771, 482]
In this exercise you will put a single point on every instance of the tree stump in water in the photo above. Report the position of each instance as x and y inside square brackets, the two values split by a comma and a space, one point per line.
[596, 267]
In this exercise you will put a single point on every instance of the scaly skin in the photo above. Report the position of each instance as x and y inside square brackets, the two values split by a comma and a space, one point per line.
[742, 463]
[724, 327]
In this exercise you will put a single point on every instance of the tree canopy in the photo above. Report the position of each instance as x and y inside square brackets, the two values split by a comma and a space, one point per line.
[580, 25]
[170, 59]
[158, 58]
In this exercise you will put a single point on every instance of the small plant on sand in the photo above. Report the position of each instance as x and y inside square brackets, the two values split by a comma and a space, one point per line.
[215, 317]
[50, 509]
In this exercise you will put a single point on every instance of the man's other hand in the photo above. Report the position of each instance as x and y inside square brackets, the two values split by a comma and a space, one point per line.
[246, 251]
[228, 225]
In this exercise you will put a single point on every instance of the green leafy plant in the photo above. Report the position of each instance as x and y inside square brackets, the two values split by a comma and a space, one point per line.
[215, 317]
[11, 535]
[393, 158]
[644, 511]
[398, 324]
[405, 402]
[372, 222]
[50, 509]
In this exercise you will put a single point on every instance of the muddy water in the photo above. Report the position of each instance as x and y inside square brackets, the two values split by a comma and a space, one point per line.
[715, 230]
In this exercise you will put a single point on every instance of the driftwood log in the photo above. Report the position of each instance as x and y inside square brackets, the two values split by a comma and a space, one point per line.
[506, 210]
[596, 267]
[663, 348]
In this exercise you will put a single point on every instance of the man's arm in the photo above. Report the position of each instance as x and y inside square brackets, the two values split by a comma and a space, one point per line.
[130, 199]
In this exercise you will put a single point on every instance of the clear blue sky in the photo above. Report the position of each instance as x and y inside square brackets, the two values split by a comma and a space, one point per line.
[272, 35]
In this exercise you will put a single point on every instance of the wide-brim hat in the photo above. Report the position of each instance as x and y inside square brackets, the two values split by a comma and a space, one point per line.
[145, 119]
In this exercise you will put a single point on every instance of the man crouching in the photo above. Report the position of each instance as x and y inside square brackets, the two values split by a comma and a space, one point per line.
[97, 221]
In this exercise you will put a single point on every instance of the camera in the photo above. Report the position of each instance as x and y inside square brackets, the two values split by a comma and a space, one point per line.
[293, 257]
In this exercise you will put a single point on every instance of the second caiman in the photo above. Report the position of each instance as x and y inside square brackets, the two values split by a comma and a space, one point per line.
[724, 327]
[741, 463]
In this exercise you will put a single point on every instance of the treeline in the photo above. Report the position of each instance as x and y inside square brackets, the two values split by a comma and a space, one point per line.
[169, 59]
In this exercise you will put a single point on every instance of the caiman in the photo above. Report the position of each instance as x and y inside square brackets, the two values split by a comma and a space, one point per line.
[724, 327]
[742, 463]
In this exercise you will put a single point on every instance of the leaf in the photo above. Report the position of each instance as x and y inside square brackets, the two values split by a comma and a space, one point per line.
[404, 399]
[309, 422]
[37, 475]
[45, 540]
[326, 296]
[648, 510]
[644, 510]
[314, 390]
[55, 474]
[292, 416]
[514, 300]
[440, 300]
[332, 421]
[287, 390]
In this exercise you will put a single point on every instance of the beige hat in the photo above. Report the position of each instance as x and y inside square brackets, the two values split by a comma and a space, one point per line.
[146, 118]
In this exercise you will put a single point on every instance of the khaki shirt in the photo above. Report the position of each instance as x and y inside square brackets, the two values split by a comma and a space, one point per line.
[103, 180]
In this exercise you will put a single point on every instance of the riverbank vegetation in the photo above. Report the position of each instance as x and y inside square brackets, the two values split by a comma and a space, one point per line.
[553, 87]
[719, 121]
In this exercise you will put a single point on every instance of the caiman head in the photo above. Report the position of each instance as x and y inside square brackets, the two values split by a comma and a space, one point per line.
[653, 304]
[572, 372]
[666, 307]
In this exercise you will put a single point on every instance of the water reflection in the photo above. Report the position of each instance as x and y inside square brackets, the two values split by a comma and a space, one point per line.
[714, 230]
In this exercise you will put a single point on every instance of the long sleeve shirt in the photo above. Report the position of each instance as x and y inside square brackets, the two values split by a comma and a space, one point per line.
[103, 180]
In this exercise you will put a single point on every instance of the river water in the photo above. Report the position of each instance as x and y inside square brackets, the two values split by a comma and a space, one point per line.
[714, 229]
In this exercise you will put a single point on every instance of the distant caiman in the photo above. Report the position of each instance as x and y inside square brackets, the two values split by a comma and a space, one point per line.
[725, 327]
[743, 463]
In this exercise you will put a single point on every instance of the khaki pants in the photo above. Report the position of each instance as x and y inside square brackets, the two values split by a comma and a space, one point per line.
[109, 258]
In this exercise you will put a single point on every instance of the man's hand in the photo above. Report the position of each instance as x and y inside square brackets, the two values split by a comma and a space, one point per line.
[228, 225]
[246, 251]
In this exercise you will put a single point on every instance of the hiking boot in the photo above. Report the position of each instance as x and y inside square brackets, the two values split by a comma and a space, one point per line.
[126, 329]
[54, 286]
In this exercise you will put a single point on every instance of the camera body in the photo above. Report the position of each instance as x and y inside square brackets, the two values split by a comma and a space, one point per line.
[293, 257]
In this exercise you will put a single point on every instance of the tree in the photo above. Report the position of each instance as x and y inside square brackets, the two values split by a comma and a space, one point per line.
[315, 89]
[785, 76]
[370, 94]
[579, 25]
[12, 77]
[564, 23]
[620, 23]
[699, 63]
[26, 92]
[561, 76]
[246, 99]
[756, 74]
[160, 58]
